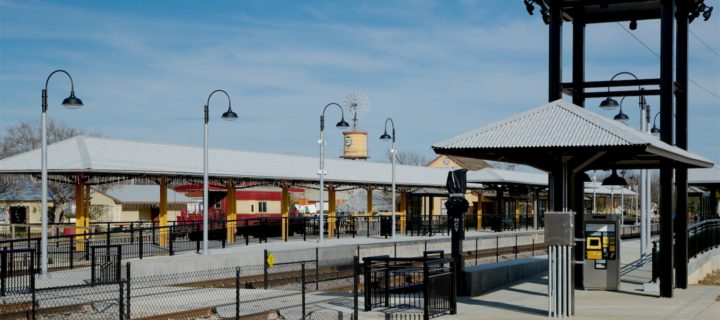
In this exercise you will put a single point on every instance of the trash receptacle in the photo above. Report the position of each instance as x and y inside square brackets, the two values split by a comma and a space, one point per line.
[385, 226]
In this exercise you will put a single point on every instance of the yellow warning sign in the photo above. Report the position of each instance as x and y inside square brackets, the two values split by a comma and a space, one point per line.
[270, 260]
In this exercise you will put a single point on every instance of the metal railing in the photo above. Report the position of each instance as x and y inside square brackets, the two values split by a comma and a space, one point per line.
[421, 283]
[703, 236]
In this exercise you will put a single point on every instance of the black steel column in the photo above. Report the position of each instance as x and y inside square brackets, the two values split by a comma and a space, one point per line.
[555, 191]
[713, 204]
[578, 68]
[577, 197]
[578, 186]
[500, 215]
[555, 54]
[666, 135]
[681, 138]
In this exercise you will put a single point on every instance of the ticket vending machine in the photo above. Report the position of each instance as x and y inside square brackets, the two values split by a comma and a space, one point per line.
[602, 252]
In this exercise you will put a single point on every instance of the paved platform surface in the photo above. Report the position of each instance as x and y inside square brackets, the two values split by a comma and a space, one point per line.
[528, 299]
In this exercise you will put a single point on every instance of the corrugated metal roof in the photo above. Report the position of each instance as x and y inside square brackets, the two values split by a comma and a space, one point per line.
[111, 156]
[561, 124]
[704, 176]
[143, 194]
[598, 188]
[499, 176]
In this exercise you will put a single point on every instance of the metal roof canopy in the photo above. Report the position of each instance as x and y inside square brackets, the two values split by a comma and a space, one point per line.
[704, 177]
[559, 128]
[602, 11]
[104, 160]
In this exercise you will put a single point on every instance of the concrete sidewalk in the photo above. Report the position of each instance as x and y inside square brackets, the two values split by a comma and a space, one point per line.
[528, 299]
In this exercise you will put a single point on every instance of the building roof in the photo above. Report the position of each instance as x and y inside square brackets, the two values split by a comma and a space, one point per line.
[120, 158]
[25, 191]
[499, 176]
[125, 193]
[704, 176]
[598, 188]
[560, 127]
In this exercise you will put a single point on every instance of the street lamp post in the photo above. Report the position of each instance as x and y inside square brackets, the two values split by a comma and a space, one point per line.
[229, 115]
[393, 152]
[610, 103]
[341, 125]
[70, 102]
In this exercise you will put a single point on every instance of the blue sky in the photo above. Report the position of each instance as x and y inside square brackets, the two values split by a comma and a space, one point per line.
[144, 69]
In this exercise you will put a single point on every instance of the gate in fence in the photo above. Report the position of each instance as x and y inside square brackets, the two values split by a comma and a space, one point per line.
[105, 267]
[427, 284]
[17, 283]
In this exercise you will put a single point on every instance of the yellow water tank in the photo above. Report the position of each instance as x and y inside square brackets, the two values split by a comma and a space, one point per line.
[355, 145]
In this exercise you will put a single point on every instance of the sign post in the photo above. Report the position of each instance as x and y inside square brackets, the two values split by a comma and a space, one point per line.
[457, 206]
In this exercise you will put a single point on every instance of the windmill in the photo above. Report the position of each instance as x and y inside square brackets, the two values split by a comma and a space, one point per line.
[356, 104]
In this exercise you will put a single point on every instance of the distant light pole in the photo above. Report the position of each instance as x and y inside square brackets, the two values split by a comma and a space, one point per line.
[70, 102]
[341, 125]
[229, 115]
[385, 136]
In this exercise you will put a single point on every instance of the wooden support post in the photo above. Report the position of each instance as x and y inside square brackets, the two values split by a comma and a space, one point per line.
[79, 213]
[162, 218]
[231, 214]
[368, 211]
[517, 213]
[403, 210]
[86, 209]
[284, 210]
[331, 210]
[479, 212]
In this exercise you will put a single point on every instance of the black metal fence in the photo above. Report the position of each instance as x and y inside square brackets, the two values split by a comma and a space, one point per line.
[17, 283]
[423, 283]
[703, 236]
[105, 267]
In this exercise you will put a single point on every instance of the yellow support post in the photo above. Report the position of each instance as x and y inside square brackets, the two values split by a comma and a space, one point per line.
[86, 208]
[403, 210]
[163, 213]
[231, 214]
[79, 213]
[331, 210]
[368, 212]
[479, 212]
[517, 213]
[284, 215]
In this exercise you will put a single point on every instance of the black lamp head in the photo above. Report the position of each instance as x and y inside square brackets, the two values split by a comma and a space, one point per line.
[72, 102]
[707, 13]
[621, 116]
[342, 124]
[385, 136]
[655, 131]
[229, 115]
[614, 180]
[529, 7]
[609, 104]
[633, 24]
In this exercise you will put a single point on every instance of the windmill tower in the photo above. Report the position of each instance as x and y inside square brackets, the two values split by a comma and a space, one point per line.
[356, 104]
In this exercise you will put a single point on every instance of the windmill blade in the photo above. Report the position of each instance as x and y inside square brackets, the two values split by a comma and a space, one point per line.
[356, 104]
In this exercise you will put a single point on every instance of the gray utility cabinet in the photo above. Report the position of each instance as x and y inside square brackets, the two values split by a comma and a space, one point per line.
[602, 252]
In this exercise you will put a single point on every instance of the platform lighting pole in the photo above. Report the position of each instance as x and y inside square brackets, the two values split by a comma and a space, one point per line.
[393, 152]
[610, 103]
[341, 125]
[70, 102]
[229, 115]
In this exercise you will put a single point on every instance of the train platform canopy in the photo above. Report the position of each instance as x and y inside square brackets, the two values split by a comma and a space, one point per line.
[103, 160]
[705, 176]
[540, 136]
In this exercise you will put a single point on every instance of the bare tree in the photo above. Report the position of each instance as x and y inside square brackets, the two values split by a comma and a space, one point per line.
[410, 158]
[26, 136]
